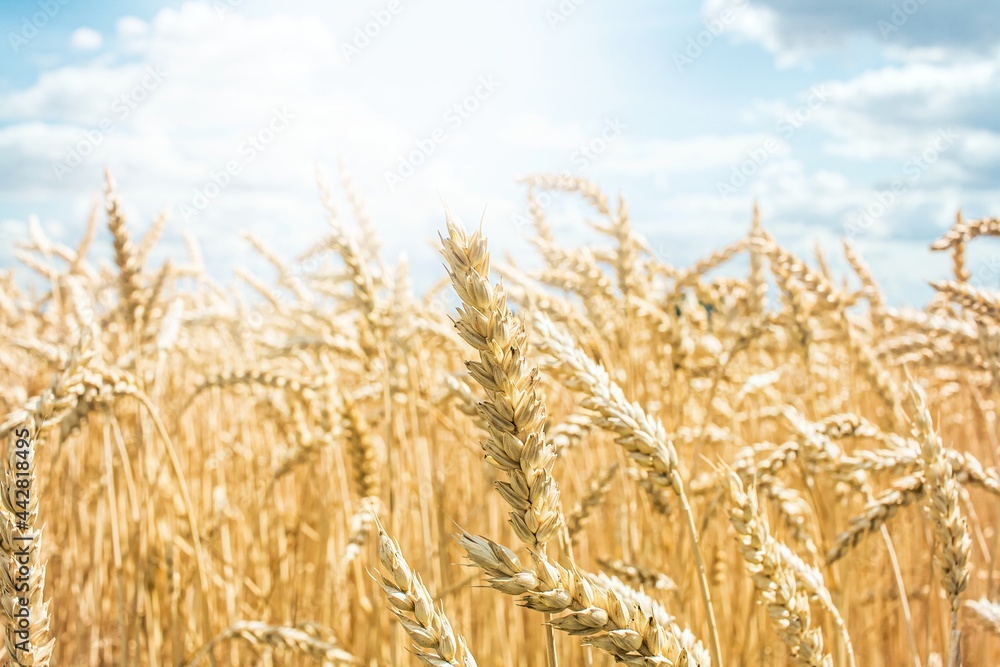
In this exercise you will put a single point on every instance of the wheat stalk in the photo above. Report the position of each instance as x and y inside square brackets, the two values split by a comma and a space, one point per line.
[630, 632]
[597, 489]
[434, 640]
[514, 410]
[303, 640]
[950, 529]
[642, 437]
[774, 577]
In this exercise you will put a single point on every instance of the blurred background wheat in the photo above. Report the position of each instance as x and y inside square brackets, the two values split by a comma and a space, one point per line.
[777, 445]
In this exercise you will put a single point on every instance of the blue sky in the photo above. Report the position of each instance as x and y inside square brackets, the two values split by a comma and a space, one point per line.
[870, 119]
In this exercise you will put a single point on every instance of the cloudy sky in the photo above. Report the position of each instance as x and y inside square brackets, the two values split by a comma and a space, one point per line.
[872, 119]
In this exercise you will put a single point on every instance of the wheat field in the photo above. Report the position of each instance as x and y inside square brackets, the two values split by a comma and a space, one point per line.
[604, 458]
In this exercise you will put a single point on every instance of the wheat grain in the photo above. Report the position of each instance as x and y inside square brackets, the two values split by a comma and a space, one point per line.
[950, 529]
[775, 580]
[434, 640]
[514, 411]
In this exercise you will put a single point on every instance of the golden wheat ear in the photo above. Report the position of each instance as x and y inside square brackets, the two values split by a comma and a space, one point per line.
[435, 643]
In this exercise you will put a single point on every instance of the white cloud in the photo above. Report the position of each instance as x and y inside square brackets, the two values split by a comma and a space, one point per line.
[756, 24]
[133, 34]
[77, 94]
[537, 131]
[695, 153]
[900, 111]
[794, 30]
[131, 26]
[86, 39]
[222, 77]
